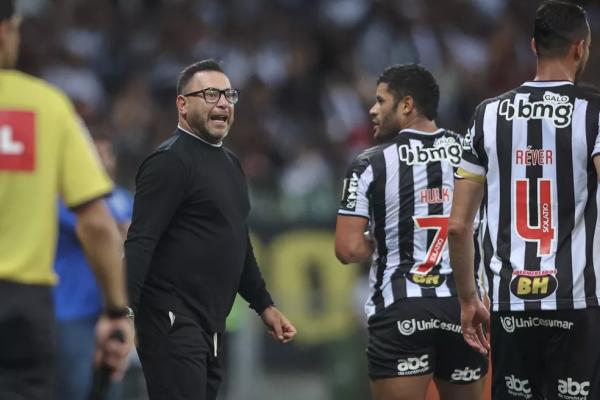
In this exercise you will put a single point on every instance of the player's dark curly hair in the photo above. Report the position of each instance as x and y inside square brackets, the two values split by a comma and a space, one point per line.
[415, 81]
[189, 71]
[558, 24]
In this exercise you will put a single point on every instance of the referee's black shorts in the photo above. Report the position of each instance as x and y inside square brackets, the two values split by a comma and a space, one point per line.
[422, 336]
[27, 342]
[181, 361]
[551, 355]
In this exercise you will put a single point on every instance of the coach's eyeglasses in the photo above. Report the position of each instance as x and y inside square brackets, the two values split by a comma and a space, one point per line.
[212, 95]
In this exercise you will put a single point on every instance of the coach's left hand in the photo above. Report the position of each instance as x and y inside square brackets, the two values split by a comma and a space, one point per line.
[279, 326]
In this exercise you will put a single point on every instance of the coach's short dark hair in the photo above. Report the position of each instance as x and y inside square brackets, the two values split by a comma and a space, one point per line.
[558, 24]
[415, 81]
[190, 70]
[7, 9]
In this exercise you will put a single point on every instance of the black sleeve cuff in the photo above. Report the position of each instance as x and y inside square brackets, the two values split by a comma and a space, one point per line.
[262, 304]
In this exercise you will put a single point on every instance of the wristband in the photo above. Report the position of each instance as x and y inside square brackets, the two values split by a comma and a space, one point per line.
[119, 312]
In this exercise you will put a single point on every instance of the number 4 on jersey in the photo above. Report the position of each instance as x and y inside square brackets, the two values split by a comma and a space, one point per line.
[543, 232]
[436, 249]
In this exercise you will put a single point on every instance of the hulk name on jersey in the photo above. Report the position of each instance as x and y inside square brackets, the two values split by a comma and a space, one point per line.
[404, 188]
[534, 147]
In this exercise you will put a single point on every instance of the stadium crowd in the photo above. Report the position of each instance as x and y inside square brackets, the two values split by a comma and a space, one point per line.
[305, 68]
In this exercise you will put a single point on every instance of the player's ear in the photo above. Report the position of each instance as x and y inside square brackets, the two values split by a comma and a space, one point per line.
[407, 104]
[579, 50]
[534, 47]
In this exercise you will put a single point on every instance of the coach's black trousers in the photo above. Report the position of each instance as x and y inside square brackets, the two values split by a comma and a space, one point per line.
[181, 361]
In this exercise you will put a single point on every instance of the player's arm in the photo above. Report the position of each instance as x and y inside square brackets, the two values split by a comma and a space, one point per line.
[597, 164]
[466, 201]
[474, 314]
[352, 243]
[160, 189]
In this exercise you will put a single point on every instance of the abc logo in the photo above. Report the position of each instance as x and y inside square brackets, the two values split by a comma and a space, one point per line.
[517, 385]
[573, 388]
[533, 287]
[466, 375]
[413, 363]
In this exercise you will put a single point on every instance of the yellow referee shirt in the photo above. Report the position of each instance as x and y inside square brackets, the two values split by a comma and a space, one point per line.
[45, 153]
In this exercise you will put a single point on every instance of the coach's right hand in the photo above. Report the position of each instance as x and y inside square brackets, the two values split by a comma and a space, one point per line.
[112, 352]
[474, 316]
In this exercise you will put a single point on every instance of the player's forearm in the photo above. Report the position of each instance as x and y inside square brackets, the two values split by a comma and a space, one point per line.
[353, 251]
[102, 244]
[462, 253]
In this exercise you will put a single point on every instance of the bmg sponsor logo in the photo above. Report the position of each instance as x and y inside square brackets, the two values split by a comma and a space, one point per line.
[569, 389]
[413, 365]
[465, 375]
[518, 387]
[443, 149]
[553, 107]
[510, 323]
[410, 326]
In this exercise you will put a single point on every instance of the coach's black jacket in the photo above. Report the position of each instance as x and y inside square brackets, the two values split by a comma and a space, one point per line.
[188, 249]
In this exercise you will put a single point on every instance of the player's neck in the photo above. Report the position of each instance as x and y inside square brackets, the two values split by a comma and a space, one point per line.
[422, 124]
[555, 70]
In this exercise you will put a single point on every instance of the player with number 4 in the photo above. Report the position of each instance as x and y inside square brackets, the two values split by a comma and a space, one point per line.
[533, 152]
[401, 191]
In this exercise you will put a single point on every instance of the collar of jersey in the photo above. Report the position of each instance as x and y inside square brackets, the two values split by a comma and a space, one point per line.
[546, 83]
[408, 130]
[199, 138]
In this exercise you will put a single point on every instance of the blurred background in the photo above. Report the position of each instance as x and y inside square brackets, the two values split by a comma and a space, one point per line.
[307, 72]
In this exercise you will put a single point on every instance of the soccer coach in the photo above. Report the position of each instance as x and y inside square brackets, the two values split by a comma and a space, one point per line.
[188, 250]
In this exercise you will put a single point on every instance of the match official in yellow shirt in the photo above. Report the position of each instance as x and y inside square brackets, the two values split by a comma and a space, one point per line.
[45, 153]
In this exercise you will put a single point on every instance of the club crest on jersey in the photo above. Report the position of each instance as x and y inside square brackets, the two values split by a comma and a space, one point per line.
[533, 285]
[446, 148]
[350, 192]
[427, 281]
[554, 107]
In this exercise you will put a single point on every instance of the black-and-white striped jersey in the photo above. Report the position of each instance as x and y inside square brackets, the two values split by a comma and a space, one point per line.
[535, 146]
[404, 188]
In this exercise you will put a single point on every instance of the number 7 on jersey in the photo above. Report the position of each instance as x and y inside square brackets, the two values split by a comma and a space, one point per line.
[436, 249]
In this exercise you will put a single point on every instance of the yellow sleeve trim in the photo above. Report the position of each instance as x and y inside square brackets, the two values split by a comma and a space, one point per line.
[470, 176]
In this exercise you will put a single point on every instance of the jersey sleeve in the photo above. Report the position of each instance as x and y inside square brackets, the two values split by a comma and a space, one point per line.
[471, 165]
[81, 175]
[596, 150]
[357, 184]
